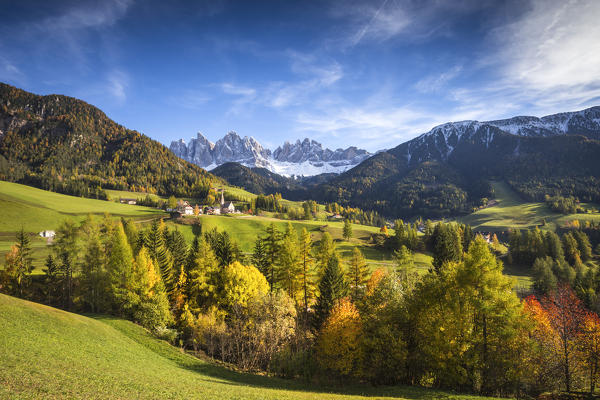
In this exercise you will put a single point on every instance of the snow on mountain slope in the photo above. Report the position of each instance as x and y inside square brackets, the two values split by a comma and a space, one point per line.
[440, 142]
[306, 158]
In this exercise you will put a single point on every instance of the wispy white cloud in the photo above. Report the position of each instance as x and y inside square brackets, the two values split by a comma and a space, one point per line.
[244, 91]
[410, 19]
[243, 96]
[87, 15]
[9, 71]
[545, 61]
[117, 83]
[314, 77]
[193, 99]
[554, 45]
[370, 127]
[434, 83]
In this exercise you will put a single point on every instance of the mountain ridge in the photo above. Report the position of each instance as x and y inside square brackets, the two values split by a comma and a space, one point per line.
[64, 144]
[302, 158]
[446, 171]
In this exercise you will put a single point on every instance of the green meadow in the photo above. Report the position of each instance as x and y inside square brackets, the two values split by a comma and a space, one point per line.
[36, 210]
[511, 212]
[52, 354]
[244, 229]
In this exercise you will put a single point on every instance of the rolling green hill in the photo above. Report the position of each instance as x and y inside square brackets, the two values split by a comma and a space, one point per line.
[244, 229]
[512, 212]
[36, 210]
[52, 354]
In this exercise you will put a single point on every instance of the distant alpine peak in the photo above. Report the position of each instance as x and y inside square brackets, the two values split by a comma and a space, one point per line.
[440, 142]
[305, 157]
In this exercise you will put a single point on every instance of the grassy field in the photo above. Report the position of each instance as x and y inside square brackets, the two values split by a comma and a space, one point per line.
[51, 354]
[114, 195]
[244, 229]
[512, 212]
[36, 210]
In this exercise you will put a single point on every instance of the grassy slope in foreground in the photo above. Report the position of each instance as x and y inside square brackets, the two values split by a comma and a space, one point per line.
[512, 212]
[49, 353]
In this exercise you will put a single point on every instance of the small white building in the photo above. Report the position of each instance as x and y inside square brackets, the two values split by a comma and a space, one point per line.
[47, 234]
[227, 208]
[128, 201]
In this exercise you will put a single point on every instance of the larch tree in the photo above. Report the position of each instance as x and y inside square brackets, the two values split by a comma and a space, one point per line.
[358, 274]
[338, 346]
[271, 242]
[324, 251]
[66, 250]
[347, 231]
[306, 272]
[588, 346]
[405, 265]
[24, 265]
[121, 273]
[93, 267]
[204, 278]
[289, 268]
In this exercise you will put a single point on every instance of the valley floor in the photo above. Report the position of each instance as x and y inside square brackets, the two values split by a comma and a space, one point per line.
[51, 354]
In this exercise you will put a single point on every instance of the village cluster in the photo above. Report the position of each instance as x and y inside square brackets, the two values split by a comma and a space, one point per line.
[184, 208]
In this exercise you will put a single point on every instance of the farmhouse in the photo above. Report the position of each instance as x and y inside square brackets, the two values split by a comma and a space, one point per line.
[128, 201]
[184, 208]
[47, 234]
[212, 210]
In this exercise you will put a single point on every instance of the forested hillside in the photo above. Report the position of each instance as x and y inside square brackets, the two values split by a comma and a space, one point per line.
[63, 144]
[447, 171]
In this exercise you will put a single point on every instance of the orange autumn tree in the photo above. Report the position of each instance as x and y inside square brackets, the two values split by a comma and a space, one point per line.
[338, 343]
[544, 366]
[559, 317]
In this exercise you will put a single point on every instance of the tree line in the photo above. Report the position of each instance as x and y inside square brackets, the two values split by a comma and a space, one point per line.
[296, 308]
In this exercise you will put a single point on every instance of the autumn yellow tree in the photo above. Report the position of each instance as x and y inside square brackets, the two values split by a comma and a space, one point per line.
[338, 343]
[588, 346]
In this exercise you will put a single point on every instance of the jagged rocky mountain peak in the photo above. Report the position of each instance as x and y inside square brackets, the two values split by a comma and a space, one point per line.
[304, 157]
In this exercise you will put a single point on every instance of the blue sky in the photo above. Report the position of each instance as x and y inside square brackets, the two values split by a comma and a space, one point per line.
[366, 73]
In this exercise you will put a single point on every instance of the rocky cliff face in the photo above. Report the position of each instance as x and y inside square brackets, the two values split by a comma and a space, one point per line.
[310, 150]
[303, 158]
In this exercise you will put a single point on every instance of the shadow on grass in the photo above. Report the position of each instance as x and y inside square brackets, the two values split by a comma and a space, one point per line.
[223, 375]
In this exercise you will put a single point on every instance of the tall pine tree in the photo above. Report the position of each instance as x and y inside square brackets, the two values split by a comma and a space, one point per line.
[332, 287]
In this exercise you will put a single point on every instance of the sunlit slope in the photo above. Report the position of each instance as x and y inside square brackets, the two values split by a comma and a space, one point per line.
[512, 212]
[37, 209]
[46, 353]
